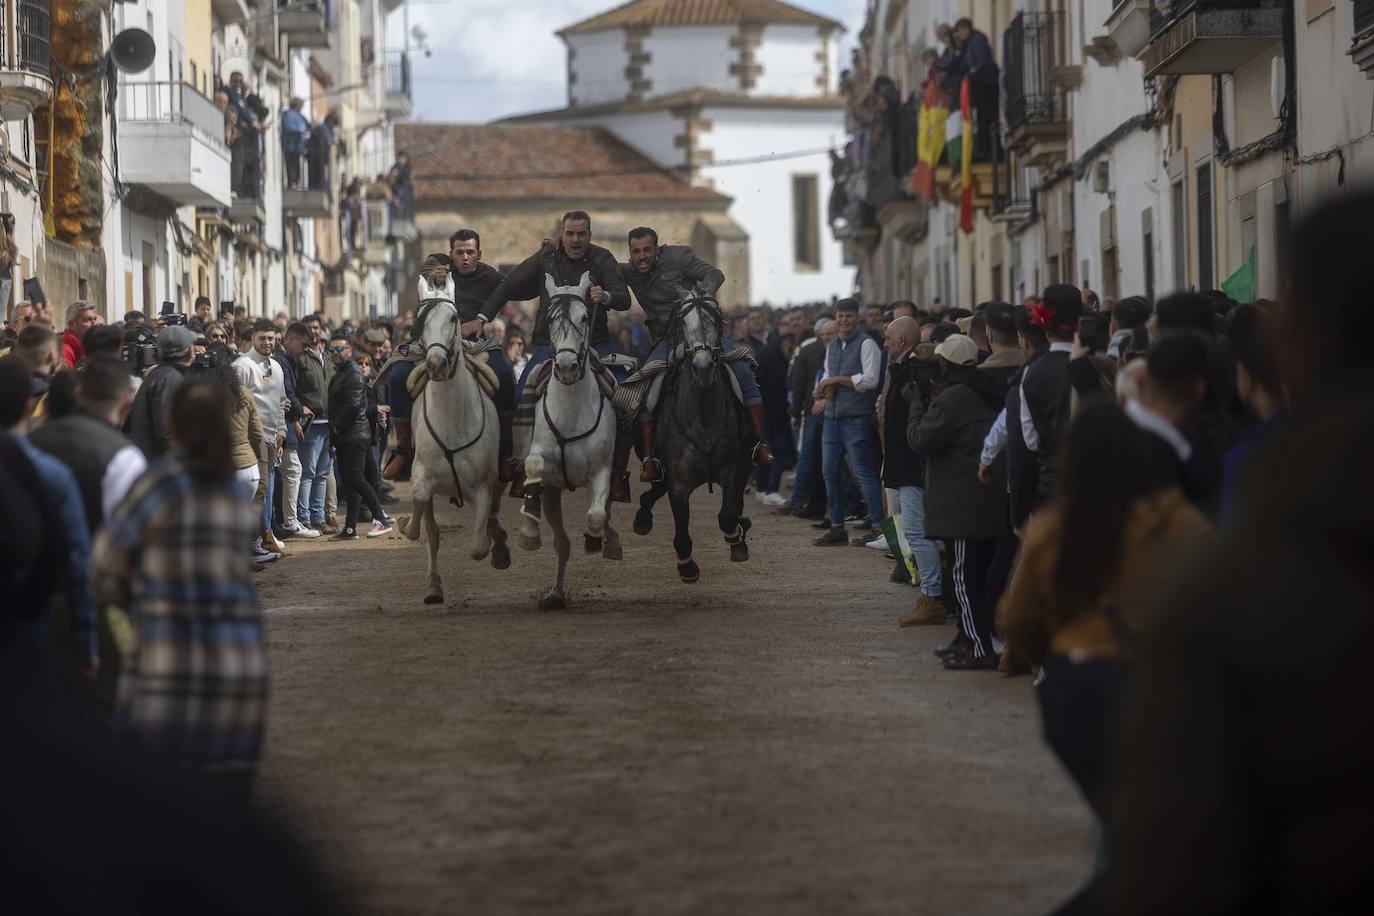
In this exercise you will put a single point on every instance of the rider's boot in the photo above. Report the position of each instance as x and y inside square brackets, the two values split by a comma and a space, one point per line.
[504, 467]
[620, 478]
[396, 466]
[517, 483]
[762, 454]
[651, 470]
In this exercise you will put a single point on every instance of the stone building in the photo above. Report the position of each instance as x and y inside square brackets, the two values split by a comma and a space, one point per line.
[512, 183]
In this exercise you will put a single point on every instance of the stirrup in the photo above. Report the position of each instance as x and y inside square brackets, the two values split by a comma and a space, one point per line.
[656, 475]
[754, 454]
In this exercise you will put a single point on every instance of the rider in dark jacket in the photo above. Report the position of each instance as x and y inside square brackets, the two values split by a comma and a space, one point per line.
[659, 275]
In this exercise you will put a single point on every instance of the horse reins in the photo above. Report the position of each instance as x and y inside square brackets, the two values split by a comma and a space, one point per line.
[581, 354]
[560, 314]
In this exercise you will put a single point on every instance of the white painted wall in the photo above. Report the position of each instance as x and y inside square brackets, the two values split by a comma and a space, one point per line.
[788, 56]
[762, 194]
[689, 57]
[1338, 117]
[598, 64]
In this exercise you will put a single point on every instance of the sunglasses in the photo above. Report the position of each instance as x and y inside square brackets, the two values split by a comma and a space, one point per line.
[335, 349]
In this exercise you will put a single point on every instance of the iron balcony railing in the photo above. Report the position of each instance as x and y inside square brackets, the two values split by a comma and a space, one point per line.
[1030, 63]
[25, 41]
[172, 103]
[398, 73]
[1164, 13]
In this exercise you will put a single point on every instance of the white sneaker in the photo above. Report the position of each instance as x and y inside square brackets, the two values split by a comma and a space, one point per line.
[380, 529]
[878, 543]
[297, 530]
[775, 500]
[760, 497]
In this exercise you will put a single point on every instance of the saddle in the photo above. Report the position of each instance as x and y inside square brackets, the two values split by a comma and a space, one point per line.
[538, 383]
[474, 358]
[646, 386]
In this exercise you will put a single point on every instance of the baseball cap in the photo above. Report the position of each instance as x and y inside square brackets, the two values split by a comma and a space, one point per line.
[959, 350]
[174, 340]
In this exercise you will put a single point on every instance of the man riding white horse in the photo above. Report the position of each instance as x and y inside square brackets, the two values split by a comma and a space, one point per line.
[566, 262]
[658, 274]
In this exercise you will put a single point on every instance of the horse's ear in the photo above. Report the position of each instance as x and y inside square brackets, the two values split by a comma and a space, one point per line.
[549, 285]
[585, 282]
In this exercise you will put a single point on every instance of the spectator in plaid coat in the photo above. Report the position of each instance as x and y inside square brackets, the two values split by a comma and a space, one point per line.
[171, 555]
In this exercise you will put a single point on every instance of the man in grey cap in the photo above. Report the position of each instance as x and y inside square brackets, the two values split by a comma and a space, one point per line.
[147, 420]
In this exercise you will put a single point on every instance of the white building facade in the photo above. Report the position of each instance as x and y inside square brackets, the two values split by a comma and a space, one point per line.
[743, 103]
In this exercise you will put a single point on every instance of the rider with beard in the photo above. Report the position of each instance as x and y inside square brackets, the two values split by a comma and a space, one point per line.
[566, 262]
[658, 274]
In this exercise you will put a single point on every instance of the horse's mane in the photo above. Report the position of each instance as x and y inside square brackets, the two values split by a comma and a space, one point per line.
[427, 290]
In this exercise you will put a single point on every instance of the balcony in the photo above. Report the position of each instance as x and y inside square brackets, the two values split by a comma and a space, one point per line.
[1037, 130]
[305, 23]
[304, 196]
[230, 12]
[171, 141]
[1129, 26]
[25, 71]
[1210, 36]
[377, 251]
[396, 102]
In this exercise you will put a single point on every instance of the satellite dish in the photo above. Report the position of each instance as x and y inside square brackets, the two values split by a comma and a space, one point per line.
[133, 50]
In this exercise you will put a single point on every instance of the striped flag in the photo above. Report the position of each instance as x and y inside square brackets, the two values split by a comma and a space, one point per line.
[966, 159]
[930, 140]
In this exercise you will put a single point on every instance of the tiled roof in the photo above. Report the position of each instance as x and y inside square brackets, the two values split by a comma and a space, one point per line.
[702, 98]
[652, 13]
[524, 162]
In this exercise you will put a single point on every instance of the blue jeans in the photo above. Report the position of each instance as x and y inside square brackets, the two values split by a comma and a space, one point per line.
[269, 488]
[808, 460]
[314, 475]
[850, 437]
[505, 377]
[543, 352]
[911, 503]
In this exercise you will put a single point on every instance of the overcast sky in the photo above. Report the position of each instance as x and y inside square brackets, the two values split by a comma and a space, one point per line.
[493, 58]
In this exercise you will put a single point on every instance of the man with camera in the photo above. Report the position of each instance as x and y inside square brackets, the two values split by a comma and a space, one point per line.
[148, 420]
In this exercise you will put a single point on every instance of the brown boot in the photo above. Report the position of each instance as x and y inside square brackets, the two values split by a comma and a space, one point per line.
[620, 478]
[650, 471]
[927, 612]
[504, 468]
[517, 484]
[762, 454]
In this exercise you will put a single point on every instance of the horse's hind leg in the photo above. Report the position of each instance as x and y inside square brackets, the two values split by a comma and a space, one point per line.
[597, 511]
[644, 518]
[500, 550]
[732, 524]
[434, 592]
[556, 599]
[481, 539]
[682, 541]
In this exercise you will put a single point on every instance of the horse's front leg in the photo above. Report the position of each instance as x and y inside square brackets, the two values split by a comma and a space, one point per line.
[434, 589]
[556, 599]
[687, 567]
[481, 537]
[644, 518]
[527, 534]
[597, 514]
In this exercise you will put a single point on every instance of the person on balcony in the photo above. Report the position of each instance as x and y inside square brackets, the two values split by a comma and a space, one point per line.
[977, 63]
[295, 134]
[318, 148]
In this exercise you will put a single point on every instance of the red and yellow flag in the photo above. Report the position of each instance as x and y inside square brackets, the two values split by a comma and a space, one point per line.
[966, 160]
[930, 139]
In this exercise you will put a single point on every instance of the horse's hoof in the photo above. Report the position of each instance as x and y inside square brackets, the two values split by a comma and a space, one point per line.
[739, 552]
[403, 526]
[689, 571]
[613, 551]
[434, 596]
[644, 522]
[591, 544]
[527, 542]
[553, 602]
[500, 556]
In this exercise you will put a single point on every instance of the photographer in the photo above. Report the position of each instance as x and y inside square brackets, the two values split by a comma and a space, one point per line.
[147, 422]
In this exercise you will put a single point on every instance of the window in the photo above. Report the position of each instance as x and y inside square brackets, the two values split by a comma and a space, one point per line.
[997, 283]
[1364, 15]
[1053, 269]
[1205, 278]
[806, 240]
[1110, 287]
[1180, 222]
[1149, 262]
[149, 276]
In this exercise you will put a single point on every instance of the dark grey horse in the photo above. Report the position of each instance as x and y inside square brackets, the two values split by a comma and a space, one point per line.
[703, 434]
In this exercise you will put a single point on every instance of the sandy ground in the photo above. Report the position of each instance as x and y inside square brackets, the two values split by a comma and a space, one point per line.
[767, 740]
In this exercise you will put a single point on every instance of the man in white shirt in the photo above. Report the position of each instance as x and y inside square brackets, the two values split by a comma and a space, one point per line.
[261, 377]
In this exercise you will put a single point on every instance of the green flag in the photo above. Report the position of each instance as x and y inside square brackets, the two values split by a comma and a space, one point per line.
[1240, 286]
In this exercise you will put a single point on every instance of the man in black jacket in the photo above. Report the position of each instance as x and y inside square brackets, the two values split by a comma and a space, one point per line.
[967, 513]
[352, 437]
[905, 471]
[1045, 387]
[148, 419]
[659, 276]
[294, 343]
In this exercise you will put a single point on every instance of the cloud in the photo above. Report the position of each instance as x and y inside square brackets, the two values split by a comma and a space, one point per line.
[490, 59]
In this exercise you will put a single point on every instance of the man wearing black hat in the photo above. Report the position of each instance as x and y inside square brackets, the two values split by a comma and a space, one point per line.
[147, 421]
[1045, 388]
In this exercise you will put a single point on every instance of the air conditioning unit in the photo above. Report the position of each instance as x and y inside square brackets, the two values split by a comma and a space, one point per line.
[1102, 183]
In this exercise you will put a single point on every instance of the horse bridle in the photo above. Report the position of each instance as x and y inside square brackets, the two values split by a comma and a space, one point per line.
[424, 310]
[709, 308]
[559, 313]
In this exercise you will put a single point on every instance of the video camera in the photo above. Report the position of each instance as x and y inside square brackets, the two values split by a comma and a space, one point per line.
[140, 349]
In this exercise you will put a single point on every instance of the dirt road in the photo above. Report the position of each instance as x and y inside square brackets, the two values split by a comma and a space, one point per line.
[767, 740]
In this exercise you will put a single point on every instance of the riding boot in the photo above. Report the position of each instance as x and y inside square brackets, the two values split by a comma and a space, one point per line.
[517, 483]
[400, 457]
[504, 466]
[762, 454]
[620, 478]
[651, 470]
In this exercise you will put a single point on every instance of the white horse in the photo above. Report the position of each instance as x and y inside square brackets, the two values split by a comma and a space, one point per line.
[572, 441]
[456, 438]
